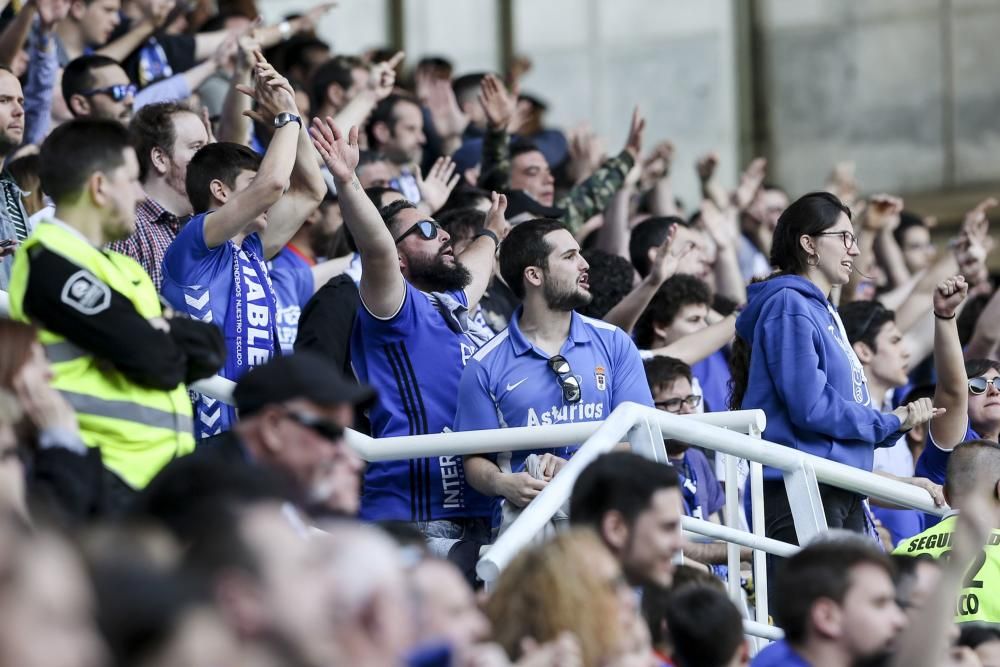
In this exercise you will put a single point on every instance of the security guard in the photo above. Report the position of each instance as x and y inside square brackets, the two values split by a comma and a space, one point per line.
[970, 464]
[117, 359]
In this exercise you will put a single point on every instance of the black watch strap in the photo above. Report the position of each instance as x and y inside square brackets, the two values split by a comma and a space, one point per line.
[486, 232]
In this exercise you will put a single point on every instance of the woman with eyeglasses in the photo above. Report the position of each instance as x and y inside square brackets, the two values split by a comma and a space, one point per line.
[793, 360]
[968, 390]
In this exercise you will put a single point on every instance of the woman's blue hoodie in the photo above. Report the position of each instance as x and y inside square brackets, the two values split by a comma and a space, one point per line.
[806, 378]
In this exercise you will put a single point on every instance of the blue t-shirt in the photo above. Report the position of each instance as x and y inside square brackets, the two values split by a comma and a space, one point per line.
[713, 376]
[933, 464]
[227, 285]
[293, 287]
[779, 654]
[508, 383]
[414, 360]
[700, 489]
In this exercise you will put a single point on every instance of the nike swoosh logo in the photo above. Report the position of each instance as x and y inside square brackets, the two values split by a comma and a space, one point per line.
[512, 387]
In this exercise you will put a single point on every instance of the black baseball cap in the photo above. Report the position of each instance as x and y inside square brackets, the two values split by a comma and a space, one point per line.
[305, 375]
[520, 202]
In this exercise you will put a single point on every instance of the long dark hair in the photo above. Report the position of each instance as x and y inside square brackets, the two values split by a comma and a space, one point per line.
[812, 213]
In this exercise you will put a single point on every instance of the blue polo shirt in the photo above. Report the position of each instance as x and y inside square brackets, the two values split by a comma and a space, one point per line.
[414, 360]
[508, 383]
[292, 278]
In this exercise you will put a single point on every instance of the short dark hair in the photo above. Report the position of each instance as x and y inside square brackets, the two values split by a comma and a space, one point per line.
[677, 291]
[907, 220]
[812, 213]
[705, 627]
[376, 192]
[618, 481]
[969, 462]
[663, 370]
[75, 150]
[522, 146]
[221, 161]
[466, 87]
[648, 234]
[525, 246]
[969, 317]
[385, 112]
[863, 321]
[820, 570]
[153, 127]
[392, 209]
[78, 75]
[611, 278]
[976, 367]
[462, 222]
[974, 634]
[338, 70]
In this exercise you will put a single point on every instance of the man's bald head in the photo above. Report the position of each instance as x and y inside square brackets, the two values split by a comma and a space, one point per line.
[972, 464]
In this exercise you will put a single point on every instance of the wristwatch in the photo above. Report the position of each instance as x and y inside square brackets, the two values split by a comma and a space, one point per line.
[284, 118]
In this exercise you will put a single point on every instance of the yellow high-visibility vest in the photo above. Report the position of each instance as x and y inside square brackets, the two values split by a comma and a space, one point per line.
[138, 429]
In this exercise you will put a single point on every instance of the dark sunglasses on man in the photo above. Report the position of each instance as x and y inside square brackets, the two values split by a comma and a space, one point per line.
[321, 427]
[568, 382]
[116, 93]
[427, 229]
[979, 385]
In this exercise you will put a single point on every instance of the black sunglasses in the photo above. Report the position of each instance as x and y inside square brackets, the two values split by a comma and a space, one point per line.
[321, 427]
[674, 404]
[979, 385]
[116, 93]
[567, 381]
[428, 230]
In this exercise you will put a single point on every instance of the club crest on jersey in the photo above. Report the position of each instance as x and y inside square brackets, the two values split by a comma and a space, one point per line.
[600, 379]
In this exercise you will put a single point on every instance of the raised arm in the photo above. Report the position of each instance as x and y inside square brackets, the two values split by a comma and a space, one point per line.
[952, 390]
[700, 345]
[480, 255]
[986, 336]
[723, 226]
[381, 80]
[14, 36]
[273, 95]
[499, 106]
[234, 124]
[122, 48]
[42, 70]
[382, 285]
[626, 312]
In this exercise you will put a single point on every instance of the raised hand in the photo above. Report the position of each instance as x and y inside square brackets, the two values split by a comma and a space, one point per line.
[633, 144]
[949, 295]
[586, 152]
[310, 19]
[438, 184]
[750, 181]
[657, 164]
[271, 91]
[447, 116]
[340, 153]
[882, 212]
[496, 219]
[207, 122]
[976, 226]
[721, 225]
[705, 167]
[51, 12]
[498, 104]
[382, 76]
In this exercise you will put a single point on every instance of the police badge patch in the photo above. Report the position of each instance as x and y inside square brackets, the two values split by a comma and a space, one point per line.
[84, 292]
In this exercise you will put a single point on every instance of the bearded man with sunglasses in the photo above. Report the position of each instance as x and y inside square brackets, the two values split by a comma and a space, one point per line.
[411, 339]
[550, 366]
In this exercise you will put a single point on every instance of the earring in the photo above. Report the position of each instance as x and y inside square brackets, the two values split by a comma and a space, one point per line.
[813, 259]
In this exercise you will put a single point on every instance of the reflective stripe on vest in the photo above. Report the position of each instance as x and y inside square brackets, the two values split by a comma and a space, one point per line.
[128, 411]
[63, 351]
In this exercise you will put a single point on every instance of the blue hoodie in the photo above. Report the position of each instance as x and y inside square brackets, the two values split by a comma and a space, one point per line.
[806, 378]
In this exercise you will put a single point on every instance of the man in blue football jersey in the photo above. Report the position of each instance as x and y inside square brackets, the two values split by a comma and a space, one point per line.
[214, 270]
[550, 366]
[412, 336]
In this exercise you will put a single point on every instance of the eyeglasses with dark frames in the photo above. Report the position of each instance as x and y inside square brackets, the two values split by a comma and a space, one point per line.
[850, 239]
[568, 382]
[979, 385]
[116, 93]
[674, 404]
[427, 229]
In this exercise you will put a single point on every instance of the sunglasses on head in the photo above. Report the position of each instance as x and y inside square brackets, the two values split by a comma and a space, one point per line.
[116, 93]
[979, 385]
[427, 229]
[568, 382]
[321, 427]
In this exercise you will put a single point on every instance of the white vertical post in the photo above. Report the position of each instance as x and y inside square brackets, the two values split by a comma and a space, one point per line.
[805, 502]
[732, 512]
[756, 491]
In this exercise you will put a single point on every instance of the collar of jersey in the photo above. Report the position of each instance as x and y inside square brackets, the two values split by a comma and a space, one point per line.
[577, 333]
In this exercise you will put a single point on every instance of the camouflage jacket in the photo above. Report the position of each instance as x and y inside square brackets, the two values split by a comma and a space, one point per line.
[581, 203]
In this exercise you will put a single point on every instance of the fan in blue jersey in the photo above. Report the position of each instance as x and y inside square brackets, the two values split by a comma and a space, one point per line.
[550, 366]
[412, 337]
[214, 270]
[969, 391]
[292, 279]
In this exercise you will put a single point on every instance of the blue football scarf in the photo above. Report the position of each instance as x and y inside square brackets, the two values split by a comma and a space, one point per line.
[251, 324]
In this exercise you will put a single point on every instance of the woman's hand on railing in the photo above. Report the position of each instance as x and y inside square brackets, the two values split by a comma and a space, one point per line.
[936, 490]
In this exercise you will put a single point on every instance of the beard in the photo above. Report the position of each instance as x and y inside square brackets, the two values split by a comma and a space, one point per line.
[559, 298]
[9, 143]
[436, 276]
[175, 179]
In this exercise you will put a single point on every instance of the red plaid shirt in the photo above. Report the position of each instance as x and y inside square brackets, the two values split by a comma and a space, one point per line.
[155, 229]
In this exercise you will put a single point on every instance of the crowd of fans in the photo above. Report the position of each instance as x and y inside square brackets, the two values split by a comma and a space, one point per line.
[426, 255]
